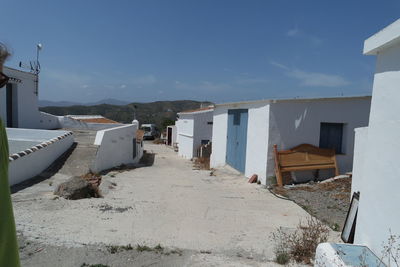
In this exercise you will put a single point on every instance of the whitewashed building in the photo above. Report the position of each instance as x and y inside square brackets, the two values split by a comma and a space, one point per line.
[194, 128]
[244, 133]
[171, 135]
[19, 103]
[376, 173]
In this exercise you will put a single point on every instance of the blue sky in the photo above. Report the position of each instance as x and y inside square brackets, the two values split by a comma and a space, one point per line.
[204, 50]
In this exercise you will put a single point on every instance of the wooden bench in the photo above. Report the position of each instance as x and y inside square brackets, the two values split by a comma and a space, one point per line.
[303, 157]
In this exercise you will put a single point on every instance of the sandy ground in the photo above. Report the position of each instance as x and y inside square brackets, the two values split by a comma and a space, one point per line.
[213, 220]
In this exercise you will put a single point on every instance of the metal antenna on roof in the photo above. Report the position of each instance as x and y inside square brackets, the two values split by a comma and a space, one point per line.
[34, 67]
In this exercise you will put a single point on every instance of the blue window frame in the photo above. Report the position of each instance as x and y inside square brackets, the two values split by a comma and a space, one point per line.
[331, 136]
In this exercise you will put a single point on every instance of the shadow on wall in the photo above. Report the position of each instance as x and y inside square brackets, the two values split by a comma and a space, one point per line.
[47, 173]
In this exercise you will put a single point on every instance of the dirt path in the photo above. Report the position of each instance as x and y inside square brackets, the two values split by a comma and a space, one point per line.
[211, 219]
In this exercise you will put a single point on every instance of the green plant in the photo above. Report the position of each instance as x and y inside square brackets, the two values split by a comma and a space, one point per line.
[113, 249]
[127, 247]
[142, 248]
[336, 227]
[159, 248]
[176, 251]
[282, 258]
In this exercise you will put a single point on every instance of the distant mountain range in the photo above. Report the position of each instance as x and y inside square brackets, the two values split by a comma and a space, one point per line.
[161, 113]
[109, 101]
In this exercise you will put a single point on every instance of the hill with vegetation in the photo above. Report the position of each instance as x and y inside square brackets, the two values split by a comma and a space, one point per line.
[161, 113]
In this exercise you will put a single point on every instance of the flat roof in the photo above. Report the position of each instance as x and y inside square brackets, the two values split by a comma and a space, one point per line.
[199, 110]
[21, 71]
[267, 101]
[383, 39]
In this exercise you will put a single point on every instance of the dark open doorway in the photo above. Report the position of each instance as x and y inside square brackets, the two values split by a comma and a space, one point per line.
[169, 136]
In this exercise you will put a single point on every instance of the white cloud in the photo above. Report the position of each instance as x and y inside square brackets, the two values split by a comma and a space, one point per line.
[297, 33]
[313, 79]
[318, 79]
[293, 32]
[279, 65]
[122, 86]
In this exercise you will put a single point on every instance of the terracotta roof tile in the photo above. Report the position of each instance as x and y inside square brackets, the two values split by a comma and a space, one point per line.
[98, 120]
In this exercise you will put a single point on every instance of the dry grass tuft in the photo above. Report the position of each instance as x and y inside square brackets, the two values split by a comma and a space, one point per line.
[300, 245]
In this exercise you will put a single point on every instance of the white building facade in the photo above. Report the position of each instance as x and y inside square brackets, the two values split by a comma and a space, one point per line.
[194, 128]
[244, 133]
[171, 135]
[19, 103]
[376, 166]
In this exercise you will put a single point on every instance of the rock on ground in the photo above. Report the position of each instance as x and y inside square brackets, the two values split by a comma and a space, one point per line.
[75, 188]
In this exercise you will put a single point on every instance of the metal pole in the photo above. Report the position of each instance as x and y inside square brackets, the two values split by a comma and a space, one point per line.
[37, 68]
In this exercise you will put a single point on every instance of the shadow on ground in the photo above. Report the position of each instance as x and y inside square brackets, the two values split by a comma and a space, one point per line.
[148, 159]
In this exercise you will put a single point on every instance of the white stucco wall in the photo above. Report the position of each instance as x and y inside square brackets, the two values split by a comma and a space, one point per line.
[49, 121]
[173, 134]
[202, 130]
[219, 135]
[26, 114]
[379, 181]
[30, 165]
[115, 147]
[295, 122]
[191, 128]
[360, 146]
[287, 124]
[257, 137]
[185, 128]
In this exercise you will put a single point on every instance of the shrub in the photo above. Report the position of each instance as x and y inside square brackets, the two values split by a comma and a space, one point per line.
[301, 244]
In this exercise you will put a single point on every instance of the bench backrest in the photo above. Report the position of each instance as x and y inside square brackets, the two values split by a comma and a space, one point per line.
[306, 154]
[303, 157]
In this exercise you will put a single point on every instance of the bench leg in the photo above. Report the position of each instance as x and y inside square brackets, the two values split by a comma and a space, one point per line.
[279, 178]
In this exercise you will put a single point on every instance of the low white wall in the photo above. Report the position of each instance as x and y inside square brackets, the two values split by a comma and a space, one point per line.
[49, 121]
[70, 123]
[186, 146]
[29, 165]
[115, 147]
[32, 134]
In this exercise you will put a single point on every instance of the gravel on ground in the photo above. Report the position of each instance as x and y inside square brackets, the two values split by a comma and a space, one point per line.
[329, 201]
